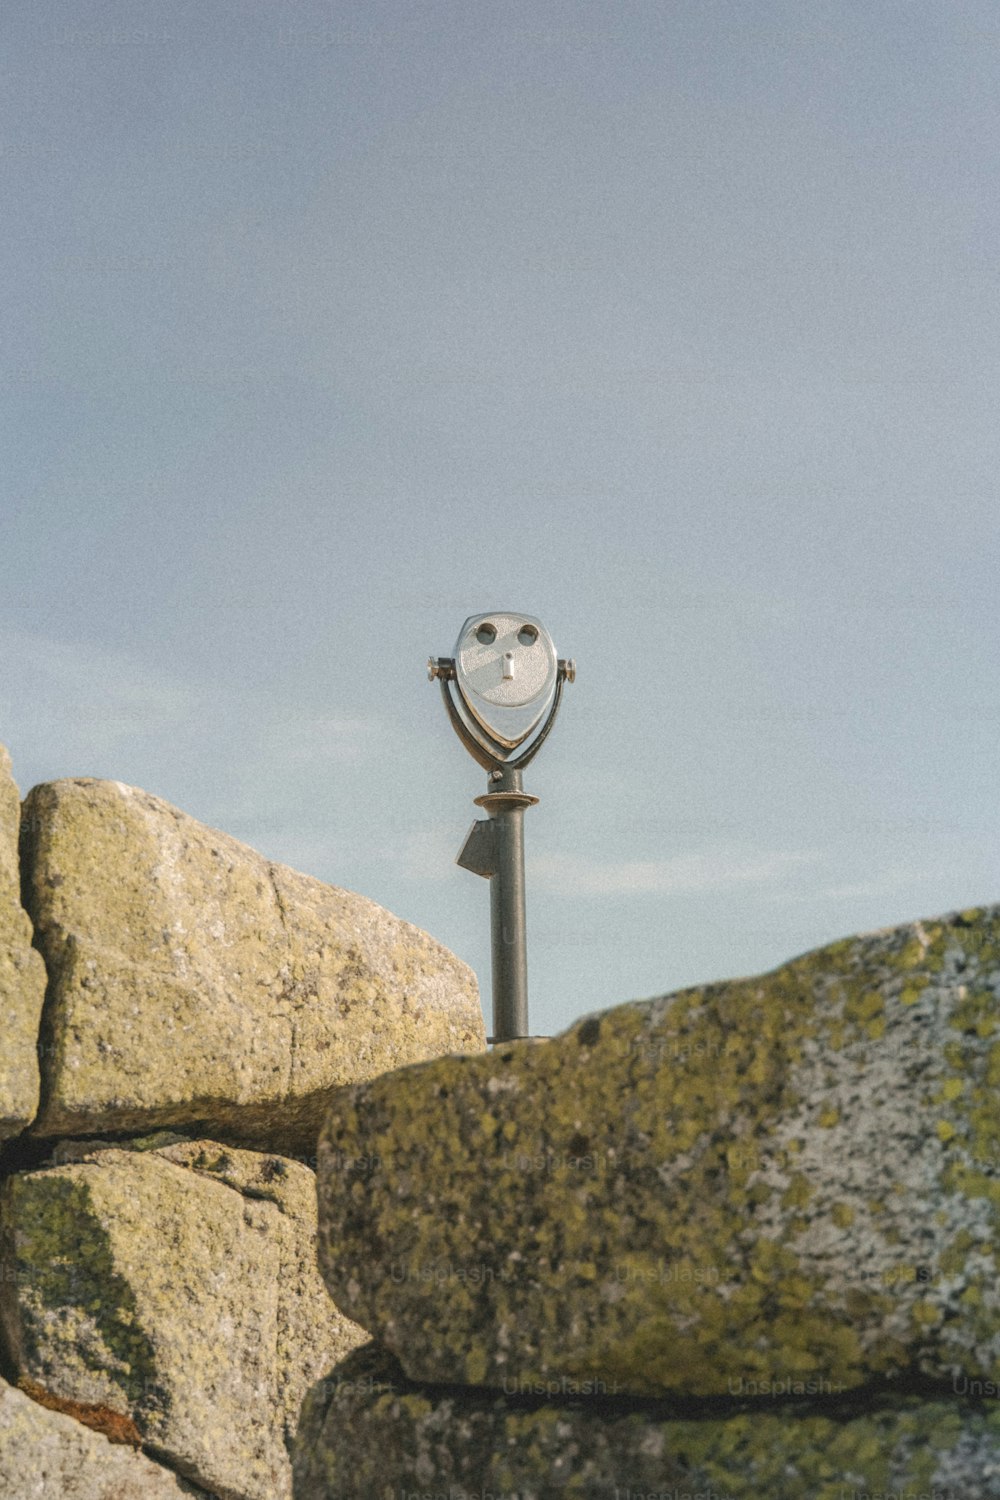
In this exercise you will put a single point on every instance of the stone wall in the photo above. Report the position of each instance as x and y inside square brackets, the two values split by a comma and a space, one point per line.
[740, 1241]
[177, 1013]
[736, 1242]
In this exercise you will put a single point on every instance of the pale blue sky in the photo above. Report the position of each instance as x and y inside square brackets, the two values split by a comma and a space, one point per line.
[672, 322]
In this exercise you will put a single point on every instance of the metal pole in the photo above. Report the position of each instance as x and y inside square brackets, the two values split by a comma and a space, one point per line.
[505, 677]
[505, 802]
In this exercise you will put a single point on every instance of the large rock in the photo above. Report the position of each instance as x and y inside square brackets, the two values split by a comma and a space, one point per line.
[368, 1434]
[22, 975]
[194, 982]
[177, 1286]
[762, 1180]
[47, 1455]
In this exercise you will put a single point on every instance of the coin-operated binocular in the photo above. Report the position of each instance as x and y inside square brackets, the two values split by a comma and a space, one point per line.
[502, 689]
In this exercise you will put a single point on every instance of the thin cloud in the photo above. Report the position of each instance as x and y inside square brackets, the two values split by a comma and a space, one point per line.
[866, 888]
[888, 881]
[563, 874]
[103, 705]
[302, 738]
[97, 697]
[290, 761]
[426, 854]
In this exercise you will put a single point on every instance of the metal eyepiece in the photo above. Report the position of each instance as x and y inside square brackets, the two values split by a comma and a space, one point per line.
[507, 679]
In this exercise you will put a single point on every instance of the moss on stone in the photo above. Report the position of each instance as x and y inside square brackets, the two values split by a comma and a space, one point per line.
[176, 1286]
[195, 983]
[539, 1205]
[22, 976]
[368, 1431]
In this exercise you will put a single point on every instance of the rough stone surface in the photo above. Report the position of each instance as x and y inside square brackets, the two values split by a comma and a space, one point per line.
[177, 1285]
[194, 982]
[22, 975]
[768, 1179]
[45, 1455]
[368, 1434]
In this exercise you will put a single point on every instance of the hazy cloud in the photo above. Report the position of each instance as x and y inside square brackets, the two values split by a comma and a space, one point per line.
[428, 853]
[94, 696]
[563, 874]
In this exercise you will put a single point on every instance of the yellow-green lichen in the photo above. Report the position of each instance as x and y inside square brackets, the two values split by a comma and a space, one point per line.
[721, 1129]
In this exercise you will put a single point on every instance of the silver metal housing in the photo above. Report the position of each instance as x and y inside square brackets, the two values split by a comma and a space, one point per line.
[506, 670]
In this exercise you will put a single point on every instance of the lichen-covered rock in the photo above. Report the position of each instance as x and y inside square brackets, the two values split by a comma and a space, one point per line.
[369, 1434]
[46, 1455]
[176, 1285]
[22, 975]
[763, 1180]
[194, 982]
